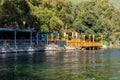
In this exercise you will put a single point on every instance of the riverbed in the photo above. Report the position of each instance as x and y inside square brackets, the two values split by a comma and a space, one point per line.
[61, 65]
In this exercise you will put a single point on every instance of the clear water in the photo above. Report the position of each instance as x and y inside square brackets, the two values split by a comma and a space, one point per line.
[64, 65]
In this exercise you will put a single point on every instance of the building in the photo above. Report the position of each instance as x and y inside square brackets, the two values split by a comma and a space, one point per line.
[13, 37]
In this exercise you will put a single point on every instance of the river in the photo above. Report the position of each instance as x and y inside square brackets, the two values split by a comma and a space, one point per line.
[62, 65]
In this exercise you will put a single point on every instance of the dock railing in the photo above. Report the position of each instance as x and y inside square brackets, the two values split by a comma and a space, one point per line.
[78, 42]
[23, 42]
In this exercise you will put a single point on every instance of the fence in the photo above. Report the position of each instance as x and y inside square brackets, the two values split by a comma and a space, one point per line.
[24, 42]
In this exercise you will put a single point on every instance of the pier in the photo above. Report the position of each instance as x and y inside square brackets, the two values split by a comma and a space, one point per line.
[17, 40]
[83, 42]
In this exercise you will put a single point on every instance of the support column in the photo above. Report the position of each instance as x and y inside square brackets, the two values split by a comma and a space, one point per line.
[67, 40]
[89, 42]
[89, 38]
[64, 35]
[83, 43]
[76, 34]
[47, 38]
[93, 40]
[31, 38]
[37, 38]
[58, 36]
[15, 38]
[83, 38]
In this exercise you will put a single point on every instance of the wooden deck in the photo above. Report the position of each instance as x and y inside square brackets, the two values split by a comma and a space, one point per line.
[78, 42]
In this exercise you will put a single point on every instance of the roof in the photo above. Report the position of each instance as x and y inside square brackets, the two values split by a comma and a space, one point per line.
[25, 30]
[55, 32]
[6, 29]
[18, 30]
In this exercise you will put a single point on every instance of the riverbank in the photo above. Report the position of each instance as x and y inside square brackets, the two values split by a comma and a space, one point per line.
[50, 47]
[110, 46]
[7, 49]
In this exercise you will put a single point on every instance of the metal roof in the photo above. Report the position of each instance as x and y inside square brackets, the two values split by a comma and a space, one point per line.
[6, 29]
[25, 30]
[18, 30]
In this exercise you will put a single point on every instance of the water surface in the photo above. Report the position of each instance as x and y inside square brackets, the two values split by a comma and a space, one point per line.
[62, 65]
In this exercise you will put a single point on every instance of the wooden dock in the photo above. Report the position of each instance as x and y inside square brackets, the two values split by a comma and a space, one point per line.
[83, 44]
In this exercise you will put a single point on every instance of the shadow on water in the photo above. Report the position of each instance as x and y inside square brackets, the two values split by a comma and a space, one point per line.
[64, 65]
[14, 63]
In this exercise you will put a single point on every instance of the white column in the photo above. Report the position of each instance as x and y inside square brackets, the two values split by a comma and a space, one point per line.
[64, 35]
[93, 38]
[89, 38]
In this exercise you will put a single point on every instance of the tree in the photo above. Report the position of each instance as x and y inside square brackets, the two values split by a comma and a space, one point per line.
[14, 11]
[96, 17]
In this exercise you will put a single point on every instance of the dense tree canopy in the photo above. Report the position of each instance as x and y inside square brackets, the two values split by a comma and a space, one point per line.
[96, 17]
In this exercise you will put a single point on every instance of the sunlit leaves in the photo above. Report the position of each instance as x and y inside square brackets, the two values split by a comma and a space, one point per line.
[97, 17]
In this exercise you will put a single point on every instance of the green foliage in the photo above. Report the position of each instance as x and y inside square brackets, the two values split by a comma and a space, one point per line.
[97, 17]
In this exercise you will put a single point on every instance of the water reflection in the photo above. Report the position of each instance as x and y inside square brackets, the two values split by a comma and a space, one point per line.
[68, 65]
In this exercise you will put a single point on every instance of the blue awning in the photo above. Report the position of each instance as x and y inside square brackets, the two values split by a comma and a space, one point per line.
[55, 32]
[25, 30]
[6, 29]
[19, 30]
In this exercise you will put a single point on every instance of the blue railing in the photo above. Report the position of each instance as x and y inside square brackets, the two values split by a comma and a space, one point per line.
[22, 42]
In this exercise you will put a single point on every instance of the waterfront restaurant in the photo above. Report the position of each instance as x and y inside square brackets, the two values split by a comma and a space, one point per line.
[20, 37]
[13, 37]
